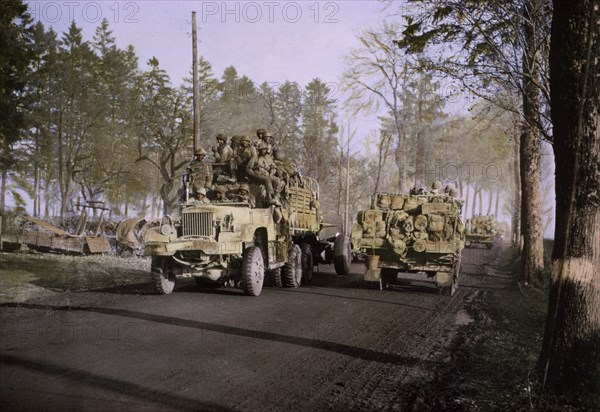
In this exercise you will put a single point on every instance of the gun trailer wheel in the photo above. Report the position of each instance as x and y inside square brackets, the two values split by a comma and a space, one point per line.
[342, 255]
[253, 271]
[447, 282]
[162, 275]
[307, 262]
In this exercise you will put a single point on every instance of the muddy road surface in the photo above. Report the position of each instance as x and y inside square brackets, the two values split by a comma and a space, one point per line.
[89, 334]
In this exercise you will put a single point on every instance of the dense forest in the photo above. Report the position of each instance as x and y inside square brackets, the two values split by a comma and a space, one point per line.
[97, 124]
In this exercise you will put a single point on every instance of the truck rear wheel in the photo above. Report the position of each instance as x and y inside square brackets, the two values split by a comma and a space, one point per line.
[292, 271]
[253, 271]
[307, 262]
[342, 255]
[275, 277]
[162, 275]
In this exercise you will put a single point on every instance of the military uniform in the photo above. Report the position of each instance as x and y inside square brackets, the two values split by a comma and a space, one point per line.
[243, 156]
[201, 196]
[266, 137]
[219, 196]
[200, 171]
[223, 152]
[243, 195]
[262, 169]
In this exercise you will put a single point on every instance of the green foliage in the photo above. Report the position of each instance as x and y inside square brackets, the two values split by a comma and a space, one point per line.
[100, 128]
[17, 54]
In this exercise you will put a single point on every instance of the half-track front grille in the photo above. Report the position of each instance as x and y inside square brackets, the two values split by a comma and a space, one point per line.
[198, 224]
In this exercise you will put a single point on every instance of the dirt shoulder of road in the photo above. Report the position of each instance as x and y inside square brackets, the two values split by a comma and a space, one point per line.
[492, 359]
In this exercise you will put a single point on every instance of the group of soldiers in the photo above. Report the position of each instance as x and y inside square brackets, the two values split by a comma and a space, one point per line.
[241, 162]
[436, 188]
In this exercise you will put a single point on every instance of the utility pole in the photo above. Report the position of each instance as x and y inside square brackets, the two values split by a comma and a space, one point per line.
[196, 91]
[347, 206]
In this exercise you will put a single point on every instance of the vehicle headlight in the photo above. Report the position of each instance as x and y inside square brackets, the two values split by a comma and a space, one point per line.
[167, 230]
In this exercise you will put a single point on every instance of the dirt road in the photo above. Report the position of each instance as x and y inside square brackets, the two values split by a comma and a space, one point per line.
[93, 342]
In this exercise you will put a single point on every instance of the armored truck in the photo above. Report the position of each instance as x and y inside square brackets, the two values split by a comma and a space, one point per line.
[237, 242]
[482, 230]
[420, 233]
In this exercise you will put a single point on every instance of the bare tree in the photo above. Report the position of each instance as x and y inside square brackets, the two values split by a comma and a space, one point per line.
[377, 76]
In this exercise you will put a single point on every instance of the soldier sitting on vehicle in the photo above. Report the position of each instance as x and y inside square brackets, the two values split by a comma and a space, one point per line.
[201, 196]
[200, 171]
[236, 144]
[218, 196]
[222, 152]
[224, 171]
[243, 156]
[262, 169]
[266, 136]
[243, 195]
[436, 187]
[451, 190]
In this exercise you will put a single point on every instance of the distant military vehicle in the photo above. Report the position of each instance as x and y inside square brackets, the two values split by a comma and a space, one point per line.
[411, 233]
[482, 230]
[236, 243]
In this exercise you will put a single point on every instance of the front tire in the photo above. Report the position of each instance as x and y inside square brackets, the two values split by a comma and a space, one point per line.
[292, 270]
[162, 275]
[307, 262]
[253, 271]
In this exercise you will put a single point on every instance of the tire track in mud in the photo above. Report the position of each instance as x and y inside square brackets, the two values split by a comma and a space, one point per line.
[375, 386]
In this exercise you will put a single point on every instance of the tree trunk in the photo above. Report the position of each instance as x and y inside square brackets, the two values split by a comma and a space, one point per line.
[532, 269]
[420, 162]
[571, 347]
[61, 172]
[490, 202]
[516, 215]
[474, 205]
[400, 157]
[46, 197]
[381, 147]
[497, 207]
[3, 193]
[467, 216]
[36, 175]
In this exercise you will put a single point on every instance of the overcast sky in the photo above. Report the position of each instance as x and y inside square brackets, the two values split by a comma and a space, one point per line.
[270, 41]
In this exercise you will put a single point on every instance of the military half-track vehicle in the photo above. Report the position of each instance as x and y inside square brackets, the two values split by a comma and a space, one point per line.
[411, 234]
[235, 243]
[482, 230]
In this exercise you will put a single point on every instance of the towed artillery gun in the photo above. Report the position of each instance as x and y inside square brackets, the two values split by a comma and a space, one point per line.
[411, 234]
[482, 230]
[234, 243]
